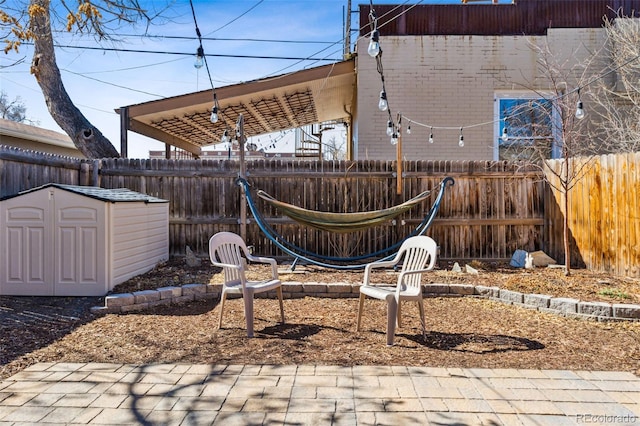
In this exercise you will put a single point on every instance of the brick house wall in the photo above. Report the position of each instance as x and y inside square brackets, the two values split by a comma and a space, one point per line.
[451, 81]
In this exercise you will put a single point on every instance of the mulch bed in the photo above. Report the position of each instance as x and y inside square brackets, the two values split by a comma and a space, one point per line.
[461, 332]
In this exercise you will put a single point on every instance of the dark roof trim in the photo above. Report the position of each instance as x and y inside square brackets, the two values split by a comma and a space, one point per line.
[525, 17]
[109, 195]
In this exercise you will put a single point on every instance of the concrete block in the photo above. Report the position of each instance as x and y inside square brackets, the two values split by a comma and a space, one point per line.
[194, 289]
[461, 289]
[436, 288]
[161, 302]
[511, 296]
[183, 299]
[145, 296]
[169, 292]
[537, 300]
[214, 288]
[118, 300]
[339, 288]
[599, 309]
[623, 310]
[314, 288]
[135, 308]
[584, 317]
[564, 304]
[485, 291]
[292, 287]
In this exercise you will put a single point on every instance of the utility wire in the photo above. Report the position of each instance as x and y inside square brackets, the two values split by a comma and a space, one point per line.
[235, 19]
[218, 55]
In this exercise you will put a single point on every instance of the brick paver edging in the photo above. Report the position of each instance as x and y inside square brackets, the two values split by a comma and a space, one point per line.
[574, 308]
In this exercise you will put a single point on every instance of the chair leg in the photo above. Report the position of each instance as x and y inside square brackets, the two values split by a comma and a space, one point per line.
[248, 311]
[279, 290]
[422, 321]
[392, 317]
[360, 307]
[222, 300]
[399, 322]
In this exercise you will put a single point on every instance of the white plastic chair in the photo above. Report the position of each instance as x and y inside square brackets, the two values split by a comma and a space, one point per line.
[226, 250]
[418, 255]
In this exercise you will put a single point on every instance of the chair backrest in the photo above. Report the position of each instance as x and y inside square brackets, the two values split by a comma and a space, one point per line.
[227, 247]
[419, 253]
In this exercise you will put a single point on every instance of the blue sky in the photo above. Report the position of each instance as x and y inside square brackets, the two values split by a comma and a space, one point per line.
[100, 81]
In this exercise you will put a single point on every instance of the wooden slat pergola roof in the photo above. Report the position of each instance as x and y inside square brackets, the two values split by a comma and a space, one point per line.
[268, 105]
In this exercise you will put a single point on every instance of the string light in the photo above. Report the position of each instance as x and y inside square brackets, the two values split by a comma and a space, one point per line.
[374, 44]
[579, 108]
[199, 62]
[409, 128]
[505, 135]
[431, 135]
[225, 136]
[383, 105]
[394, 139]
[214, 110]
[461, 139]
[389, 127]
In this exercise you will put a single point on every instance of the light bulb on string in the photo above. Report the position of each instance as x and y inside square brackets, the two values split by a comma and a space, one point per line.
[383, 105]
[580, 111]
[199, 63]
[394, 139]
[214, 114]
[461, 139]
[225, 137]
[505, 135]
[389, 128]
[374, 44]
[431, 136]
[409, 128]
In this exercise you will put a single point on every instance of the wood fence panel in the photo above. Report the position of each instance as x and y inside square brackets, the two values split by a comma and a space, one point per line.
[493, 209]
[604, 221]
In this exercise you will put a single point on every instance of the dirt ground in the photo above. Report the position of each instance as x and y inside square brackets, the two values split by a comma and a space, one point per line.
[461, 332]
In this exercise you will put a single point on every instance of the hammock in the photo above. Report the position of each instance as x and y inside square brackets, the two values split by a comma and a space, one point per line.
[342, 222]
[299, 253]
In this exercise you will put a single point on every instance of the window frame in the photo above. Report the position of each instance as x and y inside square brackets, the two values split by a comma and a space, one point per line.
[498, 123]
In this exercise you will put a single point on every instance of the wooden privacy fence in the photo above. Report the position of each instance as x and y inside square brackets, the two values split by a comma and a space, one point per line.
[604, 212]
[492, 209]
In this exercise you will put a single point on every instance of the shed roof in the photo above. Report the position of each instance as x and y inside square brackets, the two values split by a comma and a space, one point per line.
[115, 195]
[310, 96]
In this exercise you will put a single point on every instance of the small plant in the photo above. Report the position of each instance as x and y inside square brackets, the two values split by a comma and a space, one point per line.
[614, 293]
[476, 264]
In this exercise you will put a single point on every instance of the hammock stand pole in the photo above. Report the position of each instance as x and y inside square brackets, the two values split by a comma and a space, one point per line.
[298, 253]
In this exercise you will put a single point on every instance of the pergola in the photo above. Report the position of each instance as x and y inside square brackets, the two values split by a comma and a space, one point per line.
[315, 95]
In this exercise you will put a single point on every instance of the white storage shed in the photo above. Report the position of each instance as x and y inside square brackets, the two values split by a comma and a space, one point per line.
[65, 240]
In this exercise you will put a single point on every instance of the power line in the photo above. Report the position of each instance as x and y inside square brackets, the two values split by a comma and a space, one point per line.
[235, 19]
[156, 52]
[253, 40]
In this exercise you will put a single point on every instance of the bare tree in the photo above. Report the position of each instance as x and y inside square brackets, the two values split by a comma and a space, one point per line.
[34, 22]
[333, 149]
[550, 125]
[14, 110]
[617, 97]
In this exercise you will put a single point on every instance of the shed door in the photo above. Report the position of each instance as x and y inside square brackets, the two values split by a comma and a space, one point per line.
[26, 246]
[80, 260]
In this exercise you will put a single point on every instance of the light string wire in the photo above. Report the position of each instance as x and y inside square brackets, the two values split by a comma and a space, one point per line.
[552, 99]
[215, 108]
[374, 24]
